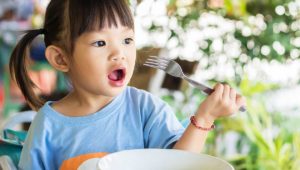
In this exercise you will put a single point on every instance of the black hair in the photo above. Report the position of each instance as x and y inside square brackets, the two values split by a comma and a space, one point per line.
[65, 21]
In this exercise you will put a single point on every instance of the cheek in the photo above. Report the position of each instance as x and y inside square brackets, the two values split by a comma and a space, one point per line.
[89, 69]
[132, 57]
[132, 62]
[131, 67]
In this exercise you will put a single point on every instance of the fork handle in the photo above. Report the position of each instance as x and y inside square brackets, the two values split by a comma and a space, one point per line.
[207, 90]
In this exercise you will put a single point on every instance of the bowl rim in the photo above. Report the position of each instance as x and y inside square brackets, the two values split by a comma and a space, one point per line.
[169, 150]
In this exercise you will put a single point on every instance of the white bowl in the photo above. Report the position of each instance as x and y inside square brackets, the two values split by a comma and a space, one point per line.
[156, 159]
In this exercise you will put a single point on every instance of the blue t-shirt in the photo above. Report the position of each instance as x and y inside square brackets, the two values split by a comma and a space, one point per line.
[134, 119]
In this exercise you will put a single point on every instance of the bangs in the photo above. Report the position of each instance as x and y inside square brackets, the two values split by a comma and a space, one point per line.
[91, 15]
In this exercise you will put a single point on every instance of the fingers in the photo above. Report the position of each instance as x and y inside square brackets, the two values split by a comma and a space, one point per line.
[224, 101]
[228, 96]
[232, 94]
[226, 92]
[240, 101]
[218, 91]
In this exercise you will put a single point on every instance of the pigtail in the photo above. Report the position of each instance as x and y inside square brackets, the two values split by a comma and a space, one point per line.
[18, 68]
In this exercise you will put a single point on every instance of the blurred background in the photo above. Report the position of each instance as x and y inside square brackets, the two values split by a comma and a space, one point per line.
[253, 45]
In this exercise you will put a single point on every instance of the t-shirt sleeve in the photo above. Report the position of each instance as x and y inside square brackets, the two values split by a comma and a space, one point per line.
[35, 153]
[162, 128]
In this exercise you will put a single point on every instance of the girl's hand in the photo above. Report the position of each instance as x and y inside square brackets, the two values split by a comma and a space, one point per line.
[224, 101]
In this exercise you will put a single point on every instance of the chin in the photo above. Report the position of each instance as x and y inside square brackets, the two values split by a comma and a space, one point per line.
[114, 91]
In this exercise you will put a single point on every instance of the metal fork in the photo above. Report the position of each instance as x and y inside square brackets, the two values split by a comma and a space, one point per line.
[173, 68]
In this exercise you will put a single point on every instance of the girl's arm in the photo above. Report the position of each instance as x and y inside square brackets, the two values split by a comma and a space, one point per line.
[193, 139]
[221, 103]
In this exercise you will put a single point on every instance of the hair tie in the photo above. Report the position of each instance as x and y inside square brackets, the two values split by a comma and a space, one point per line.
[42, 31]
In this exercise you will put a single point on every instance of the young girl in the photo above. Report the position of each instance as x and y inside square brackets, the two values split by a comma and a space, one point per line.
[92, 42]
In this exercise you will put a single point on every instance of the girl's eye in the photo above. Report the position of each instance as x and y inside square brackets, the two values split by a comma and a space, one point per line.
[128, 40]
[99, 43]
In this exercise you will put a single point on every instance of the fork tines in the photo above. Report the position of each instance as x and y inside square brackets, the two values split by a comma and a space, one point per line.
[157, 62]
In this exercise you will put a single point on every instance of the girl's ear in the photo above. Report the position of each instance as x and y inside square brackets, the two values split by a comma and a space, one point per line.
[57, 58]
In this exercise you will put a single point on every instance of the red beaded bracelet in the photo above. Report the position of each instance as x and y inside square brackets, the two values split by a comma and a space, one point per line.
[194, 122]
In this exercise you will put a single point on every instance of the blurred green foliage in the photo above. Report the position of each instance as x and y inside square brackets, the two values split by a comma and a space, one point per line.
[273, 144]
[281, 27]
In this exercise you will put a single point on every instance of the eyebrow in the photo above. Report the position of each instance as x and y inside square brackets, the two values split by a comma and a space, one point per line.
[102, 31]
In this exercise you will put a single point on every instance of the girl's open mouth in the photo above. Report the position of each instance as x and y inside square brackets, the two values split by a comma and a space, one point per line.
[116, 77]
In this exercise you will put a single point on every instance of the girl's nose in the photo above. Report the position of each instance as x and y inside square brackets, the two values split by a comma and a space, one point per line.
[117, 54]
[117, 57]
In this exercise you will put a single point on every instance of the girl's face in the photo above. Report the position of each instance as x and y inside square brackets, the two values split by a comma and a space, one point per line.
[103, 61]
